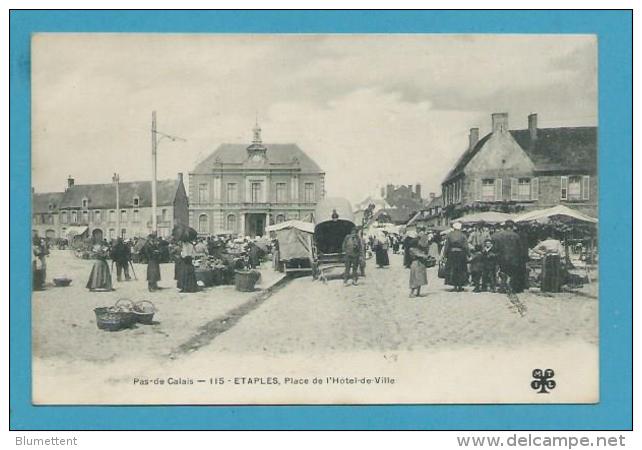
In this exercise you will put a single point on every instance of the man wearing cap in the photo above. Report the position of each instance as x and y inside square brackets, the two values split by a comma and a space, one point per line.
[508, 246]
[352, 251]
[456, 251]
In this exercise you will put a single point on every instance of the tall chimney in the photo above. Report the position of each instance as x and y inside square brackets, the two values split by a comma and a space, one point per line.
[180, 177]
[473, 138]
[500, 122]
[532, 125]
[418, 189]
[70, 181]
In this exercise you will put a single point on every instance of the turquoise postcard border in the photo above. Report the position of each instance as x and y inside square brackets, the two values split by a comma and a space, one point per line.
[614, 411]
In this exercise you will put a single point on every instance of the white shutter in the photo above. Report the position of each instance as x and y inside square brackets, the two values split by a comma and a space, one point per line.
[586, 183]
[534, 188]
[564, 188]
[498, 190]
[514, 194]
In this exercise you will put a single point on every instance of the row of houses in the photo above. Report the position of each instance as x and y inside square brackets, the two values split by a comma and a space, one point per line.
[514, 170]
[237, 189]
[92, 210]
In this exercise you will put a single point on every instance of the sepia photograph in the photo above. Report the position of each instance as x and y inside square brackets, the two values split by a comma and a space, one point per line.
[282, 219]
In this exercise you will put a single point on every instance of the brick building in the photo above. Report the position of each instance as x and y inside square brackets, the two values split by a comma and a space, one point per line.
[240, 189]
[533, 168]
[90, 209]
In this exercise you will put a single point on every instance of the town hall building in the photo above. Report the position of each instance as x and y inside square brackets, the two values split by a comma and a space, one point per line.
[240, 189]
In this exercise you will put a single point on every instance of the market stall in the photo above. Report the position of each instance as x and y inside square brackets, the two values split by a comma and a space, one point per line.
[294, 245]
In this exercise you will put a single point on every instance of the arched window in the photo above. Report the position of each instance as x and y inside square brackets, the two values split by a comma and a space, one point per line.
[231, 223]
[280, 218]
[202, 223]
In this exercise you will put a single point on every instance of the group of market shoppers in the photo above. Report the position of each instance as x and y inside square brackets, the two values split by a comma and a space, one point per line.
[488, 257]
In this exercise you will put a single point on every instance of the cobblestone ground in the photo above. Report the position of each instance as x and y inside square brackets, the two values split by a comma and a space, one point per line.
[64, 323]
[378, 315]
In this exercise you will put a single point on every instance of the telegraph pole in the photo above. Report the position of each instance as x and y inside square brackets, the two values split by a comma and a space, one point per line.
[116, 180]
[154, 145]
[155, 141]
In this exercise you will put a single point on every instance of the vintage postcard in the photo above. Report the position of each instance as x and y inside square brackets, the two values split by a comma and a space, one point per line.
[314, 219]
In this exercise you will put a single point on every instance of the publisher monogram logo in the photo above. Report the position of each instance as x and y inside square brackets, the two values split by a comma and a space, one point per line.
[543, 381]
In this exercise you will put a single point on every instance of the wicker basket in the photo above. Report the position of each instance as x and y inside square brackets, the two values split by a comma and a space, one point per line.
[144, 311]
[62, 282]
[110, 318]
[245, 280]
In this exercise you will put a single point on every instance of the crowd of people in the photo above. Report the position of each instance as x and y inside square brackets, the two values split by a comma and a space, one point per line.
[227, 252]
[490, 258]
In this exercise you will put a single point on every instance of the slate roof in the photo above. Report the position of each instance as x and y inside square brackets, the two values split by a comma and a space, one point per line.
[103, 196]
[563, 149]
[437, 201]
[40, 202]
[397, 215]
[278, 156]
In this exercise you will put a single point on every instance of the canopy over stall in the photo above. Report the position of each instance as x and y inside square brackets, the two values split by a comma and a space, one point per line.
[74, 231]
[559, 213]
[298, 224]
[294, 238]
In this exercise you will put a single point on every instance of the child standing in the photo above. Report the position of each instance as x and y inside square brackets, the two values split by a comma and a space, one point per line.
[489, 262]
[476, 267]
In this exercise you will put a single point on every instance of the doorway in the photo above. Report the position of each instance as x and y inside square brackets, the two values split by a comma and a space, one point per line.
[255, 225]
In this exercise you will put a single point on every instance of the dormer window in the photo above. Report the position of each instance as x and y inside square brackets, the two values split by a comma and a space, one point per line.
[136, 201]
[85, 202]
[51, 206]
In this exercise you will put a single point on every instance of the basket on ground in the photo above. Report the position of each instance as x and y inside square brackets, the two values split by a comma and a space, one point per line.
[144, 312]
[245, 280]
[62, 281]
[111, 318]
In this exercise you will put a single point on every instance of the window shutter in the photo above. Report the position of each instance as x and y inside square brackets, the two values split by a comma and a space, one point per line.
[514, 195]
[564, 188]
[534, 188]
[586, 183]
[498, 190]
[478, 189]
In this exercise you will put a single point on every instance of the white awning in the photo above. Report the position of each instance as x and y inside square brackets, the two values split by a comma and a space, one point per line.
[75, 231]
[559, 212]
[298, 224]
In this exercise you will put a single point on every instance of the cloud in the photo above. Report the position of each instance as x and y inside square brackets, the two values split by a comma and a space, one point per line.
[370, 109]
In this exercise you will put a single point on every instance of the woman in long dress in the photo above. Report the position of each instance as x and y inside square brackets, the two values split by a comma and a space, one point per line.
[381, 252]
[418, 273]
[456, 251]
[178, 263]
[100, 277]
[152, 251]
[188, 275]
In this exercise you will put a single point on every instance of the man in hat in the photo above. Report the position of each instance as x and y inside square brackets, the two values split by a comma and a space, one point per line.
[478, 236]
[362, 255]
[456, 251]
[152, 252]
[352, 250]
[508, 247]
[121, 254]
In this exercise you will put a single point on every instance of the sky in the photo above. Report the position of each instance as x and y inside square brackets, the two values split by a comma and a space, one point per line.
[369, 109]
